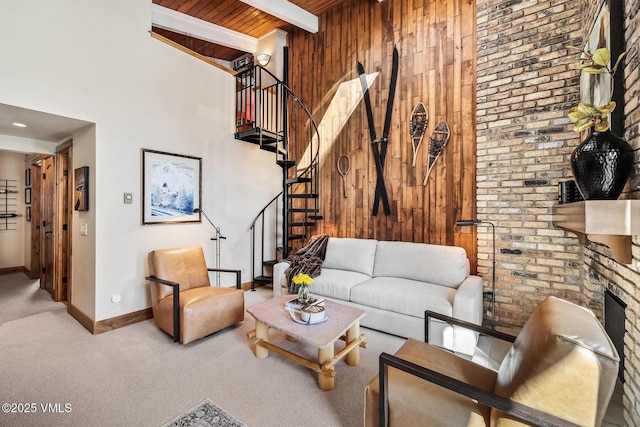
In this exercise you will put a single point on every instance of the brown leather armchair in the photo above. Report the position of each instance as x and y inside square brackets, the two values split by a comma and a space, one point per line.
[560, 371]
[184, 303]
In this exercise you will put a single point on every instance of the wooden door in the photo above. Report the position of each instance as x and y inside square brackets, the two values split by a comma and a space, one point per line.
[64, 178]
[35, 269]
[47, 231]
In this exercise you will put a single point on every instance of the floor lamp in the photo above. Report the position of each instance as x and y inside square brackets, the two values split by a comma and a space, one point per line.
[472, 222]
[217, 238]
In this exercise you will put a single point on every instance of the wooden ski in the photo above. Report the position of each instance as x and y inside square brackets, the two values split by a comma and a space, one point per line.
[379, 146]
[417, 127]
[437, 141]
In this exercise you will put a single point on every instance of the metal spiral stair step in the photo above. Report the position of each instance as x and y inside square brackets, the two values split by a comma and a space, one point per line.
[303, 196]
[303, 210]
[286, 163]
[297, 180]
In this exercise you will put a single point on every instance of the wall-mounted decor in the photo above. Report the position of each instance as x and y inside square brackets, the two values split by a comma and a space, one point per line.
[598, 89]
[379, 146]
[27, 177]
[8, 202]
[171, 186]
[81, 185]
[344, 166]
[437, 141]
[27, 196]
[417, 127]
[28, 213]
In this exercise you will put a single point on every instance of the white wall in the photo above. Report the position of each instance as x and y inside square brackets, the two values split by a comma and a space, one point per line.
[273, 44]
[12, 243]
[95, 61]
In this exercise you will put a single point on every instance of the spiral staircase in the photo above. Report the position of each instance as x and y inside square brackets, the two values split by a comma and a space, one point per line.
[271, 116]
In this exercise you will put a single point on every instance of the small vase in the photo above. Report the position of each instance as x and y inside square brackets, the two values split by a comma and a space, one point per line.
[601, 165]
[303, 294]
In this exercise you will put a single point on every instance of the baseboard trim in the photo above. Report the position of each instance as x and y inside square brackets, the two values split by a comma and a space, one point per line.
[247, 285]
[107, 325]
[11, 270]
[121, 321]
[82, 318]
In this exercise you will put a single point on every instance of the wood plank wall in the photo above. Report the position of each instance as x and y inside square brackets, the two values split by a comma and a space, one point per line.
[436, 40]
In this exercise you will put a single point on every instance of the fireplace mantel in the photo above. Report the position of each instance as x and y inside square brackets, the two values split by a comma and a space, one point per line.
[610, 222]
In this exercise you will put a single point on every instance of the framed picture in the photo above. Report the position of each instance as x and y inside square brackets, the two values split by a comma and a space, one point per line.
[171, 185]
[28, 215]
[27, 196]
[27, 177]
[81, 188]
[597, 88]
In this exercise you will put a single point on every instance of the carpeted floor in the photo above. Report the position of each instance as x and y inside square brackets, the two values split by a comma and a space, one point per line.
[136, 376]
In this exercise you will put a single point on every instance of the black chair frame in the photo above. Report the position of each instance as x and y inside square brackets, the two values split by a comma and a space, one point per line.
[176, 296]
[514, 409]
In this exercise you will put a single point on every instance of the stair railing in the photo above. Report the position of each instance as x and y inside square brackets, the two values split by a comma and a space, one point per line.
[261, 218]
[264, 101]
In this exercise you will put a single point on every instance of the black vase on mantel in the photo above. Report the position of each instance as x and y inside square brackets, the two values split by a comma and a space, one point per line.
[601, 165]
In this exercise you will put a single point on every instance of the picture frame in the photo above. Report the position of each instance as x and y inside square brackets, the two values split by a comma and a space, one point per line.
[28, 214]
[27, 178]
[27, 196]
[171, 188]
[81, 188]
[597, 88]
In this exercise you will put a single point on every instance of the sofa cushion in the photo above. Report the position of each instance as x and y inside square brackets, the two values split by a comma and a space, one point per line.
[403, 296]
[336, 283]
[350, 254]
[440, 265]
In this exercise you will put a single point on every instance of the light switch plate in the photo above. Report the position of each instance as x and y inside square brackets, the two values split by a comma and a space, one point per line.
[83, 229]
[128, 198]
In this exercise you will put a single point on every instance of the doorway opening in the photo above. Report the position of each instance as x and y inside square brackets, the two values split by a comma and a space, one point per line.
[51, 225]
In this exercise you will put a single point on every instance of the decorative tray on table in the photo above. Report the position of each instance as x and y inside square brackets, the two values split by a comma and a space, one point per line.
[307, 314]
[296, 304]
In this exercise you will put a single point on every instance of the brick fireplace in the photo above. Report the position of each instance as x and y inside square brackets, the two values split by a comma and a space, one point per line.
[614, 324]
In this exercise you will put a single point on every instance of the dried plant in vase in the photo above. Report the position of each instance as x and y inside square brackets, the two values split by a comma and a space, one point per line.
[603, 162]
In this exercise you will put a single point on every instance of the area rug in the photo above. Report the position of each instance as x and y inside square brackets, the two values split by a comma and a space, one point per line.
[205, 414]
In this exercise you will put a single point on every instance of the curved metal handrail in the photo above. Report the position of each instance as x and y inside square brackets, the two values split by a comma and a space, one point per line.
[253, 223]
[308, 171]
[314, 158]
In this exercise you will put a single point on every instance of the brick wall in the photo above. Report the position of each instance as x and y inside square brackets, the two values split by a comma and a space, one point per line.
[526, 86]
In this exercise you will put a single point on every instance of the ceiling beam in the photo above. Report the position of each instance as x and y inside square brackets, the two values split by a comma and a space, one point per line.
[188, 25]
[288, 12]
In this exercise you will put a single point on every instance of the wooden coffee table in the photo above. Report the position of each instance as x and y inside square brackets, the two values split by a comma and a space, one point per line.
[342, 323]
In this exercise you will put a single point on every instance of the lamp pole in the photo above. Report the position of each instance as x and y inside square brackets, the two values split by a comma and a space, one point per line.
[217, 238]
[472, 222]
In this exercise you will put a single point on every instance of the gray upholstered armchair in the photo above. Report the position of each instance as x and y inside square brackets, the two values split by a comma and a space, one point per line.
[560, 371]
[184, 303]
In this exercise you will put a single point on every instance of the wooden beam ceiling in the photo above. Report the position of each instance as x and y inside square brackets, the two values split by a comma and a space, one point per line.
[240, 17]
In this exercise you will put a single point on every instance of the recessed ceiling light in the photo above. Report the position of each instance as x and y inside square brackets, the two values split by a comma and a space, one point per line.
[19, 125]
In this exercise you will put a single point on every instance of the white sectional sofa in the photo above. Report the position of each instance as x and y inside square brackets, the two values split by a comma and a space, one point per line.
[395, 282]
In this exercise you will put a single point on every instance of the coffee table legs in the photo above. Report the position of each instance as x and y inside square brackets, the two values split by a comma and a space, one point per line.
[353, 357]
[262, 333]
[326, 376]
[325, 365]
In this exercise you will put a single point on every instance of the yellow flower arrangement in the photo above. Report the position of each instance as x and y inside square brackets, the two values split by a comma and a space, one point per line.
[303, 279]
